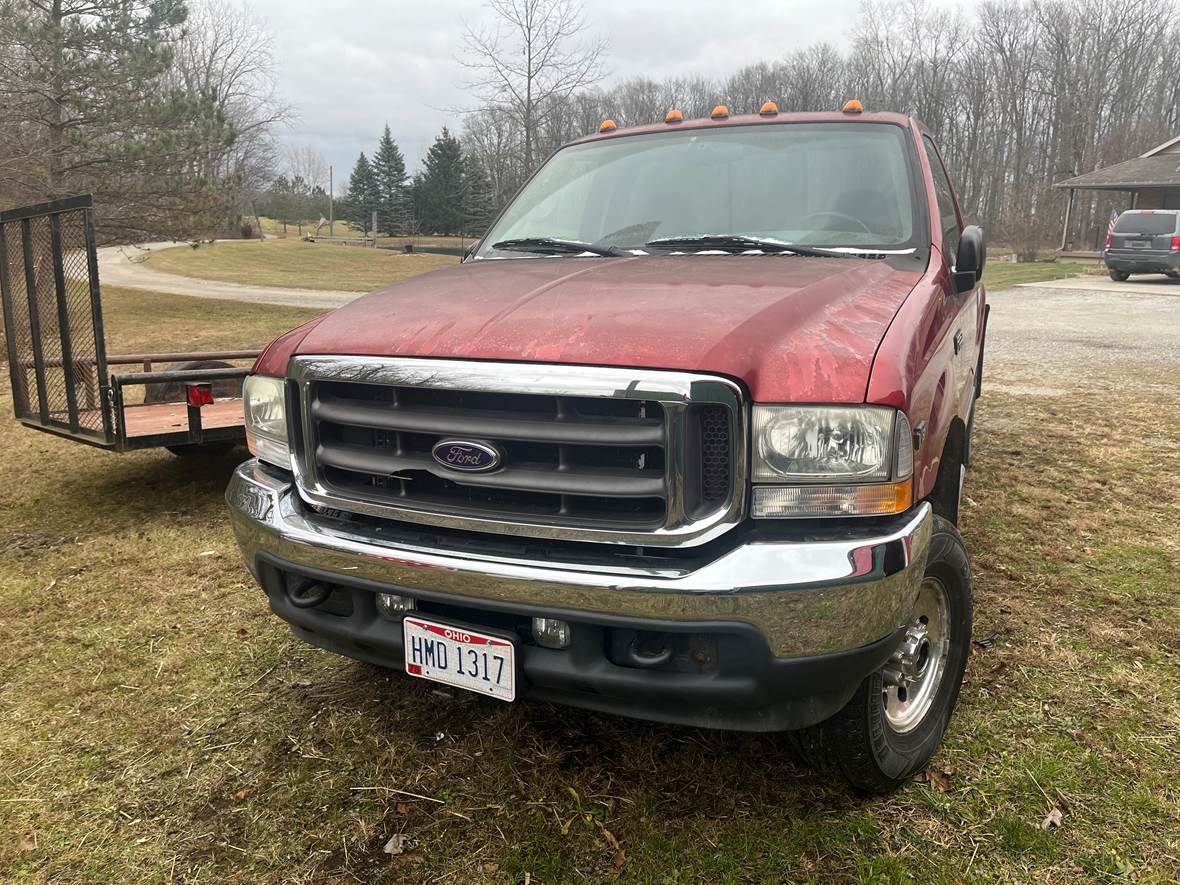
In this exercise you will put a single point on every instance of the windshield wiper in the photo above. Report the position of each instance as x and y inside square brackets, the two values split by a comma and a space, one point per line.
[554, 246]
[738, 242]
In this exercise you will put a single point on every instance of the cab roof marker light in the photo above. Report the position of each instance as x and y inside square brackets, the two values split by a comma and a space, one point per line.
[720, 112]
[852, 106]
[608, 126]
[768, 109]
[674, 116]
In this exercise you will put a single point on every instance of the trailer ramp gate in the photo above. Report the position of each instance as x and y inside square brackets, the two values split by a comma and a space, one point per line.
[58, 361]
[53, 319]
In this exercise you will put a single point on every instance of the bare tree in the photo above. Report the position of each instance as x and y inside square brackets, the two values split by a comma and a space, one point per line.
[307, 163]
[227, 54]
[533, 58]
[1019, 96]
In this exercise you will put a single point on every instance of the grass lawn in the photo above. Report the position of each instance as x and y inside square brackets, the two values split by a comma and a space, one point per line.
[274, 227]
[1004, 275]
[295, 263]
[158, 724]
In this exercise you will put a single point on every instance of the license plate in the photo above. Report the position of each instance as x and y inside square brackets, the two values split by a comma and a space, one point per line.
[462, 658]
[1138, 244]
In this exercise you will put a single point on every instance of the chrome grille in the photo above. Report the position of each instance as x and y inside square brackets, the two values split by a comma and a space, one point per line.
[595, 454]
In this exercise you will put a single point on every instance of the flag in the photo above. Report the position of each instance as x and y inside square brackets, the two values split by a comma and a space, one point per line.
[1114, 216]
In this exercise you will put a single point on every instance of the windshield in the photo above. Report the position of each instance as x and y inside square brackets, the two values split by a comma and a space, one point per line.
[1145, 223]
[842, 185]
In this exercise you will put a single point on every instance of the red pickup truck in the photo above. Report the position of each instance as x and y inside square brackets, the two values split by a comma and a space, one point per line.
[681, 438]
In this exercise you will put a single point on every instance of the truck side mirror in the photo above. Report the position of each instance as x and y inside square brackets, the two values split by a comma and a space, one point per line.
[969, 260]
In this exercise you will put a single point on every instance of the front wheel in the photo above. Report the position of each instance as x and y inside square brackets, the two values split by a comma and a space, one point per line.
[896, 720]
[1119, 276]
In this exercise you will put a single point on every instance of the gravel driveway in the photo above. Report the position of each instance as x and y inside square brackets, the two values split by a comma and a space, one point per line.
[124, 266]
[1044, 339]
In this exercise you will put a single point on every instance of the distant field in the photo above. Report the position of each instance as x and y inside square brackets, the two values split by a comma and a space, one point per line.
[274, 228]
[295, 263]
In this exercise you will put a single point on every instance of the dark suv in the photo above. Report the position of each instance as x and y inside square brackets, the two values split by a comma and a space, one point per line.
[1144, 241]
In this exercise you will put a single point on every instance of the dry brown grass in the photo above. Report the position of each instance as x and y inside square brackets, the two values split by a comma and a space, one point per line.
[156, 722]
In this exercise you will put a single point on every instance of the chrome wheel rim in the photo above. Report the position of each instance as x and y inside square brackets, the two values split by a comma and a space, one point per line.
[910, 680]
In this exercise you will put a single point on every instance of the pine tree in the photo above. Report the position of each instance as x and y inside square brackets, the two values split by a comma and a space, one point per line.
[479, 201]
[88, 106]
[389, 167]
[363, 195]
[438, 189]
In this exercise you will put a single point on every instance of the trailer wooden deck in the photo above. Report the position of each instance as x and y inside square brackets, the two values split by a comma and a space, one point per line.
[150, 419]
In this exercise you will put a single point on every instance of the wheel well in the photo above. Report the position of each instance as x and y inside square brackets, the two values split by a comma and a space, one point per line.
[944, 497]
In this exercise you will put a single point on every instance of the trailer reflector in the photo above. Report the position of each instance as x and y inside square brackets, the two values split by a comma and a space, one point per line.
[199, 395]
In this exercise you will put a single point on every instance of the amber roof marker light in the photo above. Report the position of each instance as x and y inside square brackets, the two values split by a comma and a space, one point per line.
[674, 116]
[768, 109]
[720, 112]
[608, 126]
[852, 106]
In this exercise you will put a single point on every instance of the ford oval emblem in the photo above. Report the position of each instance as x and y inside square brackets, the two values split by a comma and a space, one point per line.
[467, 455]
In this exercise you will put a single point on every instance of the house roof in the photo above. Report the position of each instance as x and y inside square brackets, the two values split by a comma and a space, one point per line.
[1170, 146]
[1150, 170]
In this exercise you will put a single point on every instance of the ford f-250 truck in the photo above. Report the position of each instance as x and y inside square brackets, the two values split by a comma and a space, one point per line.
[682, 438]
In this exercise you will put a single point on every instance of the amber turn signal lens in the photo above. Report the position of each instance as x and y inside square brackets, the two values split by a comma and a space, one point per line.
[607, 126]
[768, 109]
[778, 502]
[852, 106]
[674, 116]
[720, 112]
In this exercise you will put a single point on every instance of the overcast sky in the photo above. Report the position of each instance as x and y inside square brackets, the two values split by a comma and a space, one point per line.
[348, 66]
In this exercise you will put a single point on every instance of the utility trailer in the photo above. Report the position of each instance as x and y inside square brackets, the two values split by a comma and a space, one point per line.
[57, 359]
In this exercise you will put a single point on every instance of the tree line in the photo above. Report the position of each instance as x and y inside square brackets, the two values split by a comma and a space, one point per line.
[1020, 95]
[166, 109]
[449, 195]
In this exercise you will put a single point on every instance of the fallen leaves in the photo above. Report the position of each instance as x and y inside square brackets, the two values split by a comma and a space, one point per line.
[399, 843]
[620, 859]
[1052, 819]
[939, 778]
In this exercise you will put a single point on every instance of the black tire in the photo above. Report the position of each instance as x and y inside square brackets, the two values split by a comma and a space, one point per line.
[1119, 276]
[859, 743]
[173, 392]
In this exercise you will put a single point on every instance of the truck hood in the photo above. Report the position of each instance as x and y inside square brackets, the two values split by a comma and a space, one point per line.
[791, 328]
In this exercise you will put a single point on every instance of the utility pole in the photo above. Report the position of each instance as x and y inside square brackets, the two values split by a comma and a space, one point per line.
[331, 204]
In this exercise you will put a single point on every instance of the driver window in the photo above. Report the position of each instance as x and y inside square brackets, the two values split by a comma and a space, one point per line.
[946, 203]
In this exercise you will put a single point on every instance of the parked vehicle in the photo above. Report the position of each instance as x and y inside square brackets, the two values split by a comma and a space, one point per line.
[57, 357]
[682, 438]
[1144, 241]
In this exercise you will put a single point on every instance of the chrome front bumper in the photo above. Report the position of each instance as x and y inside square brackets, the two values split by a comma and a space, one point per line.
[827, 594]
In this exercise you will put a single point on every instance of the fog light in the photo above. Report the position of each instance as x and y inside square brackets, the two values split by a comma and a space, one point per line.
[551, 632]
[391, 606]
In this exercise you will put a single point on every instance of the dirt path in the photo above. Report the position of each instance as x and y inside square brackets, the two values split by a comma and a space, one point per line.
[124, 266]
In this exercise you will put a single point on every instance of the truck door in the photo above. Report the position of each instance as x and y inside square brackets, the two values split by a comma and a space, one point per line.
[966, 310]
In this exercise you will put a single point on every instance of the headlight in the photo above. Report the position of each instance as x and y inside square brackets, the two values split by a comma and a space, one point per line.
[264, 400]
[831, 461]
